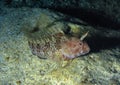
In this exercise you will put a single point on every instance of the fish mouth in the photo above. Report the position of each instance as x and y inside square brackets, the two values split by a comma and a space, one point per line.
[85, 53]
[82, 53]
[71, 56]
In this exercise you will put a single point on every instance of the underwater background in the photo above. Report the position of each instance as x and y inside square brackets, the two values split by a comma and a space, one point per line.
[59, 42]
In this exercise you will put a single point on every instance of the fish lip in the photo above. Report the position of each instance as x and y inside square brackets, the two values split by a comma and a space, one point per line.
[86, 52]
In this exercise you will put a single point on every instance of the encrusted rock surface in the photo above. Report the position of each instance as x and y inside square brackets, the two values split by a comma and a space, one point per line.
[100, 12]
[18, 66]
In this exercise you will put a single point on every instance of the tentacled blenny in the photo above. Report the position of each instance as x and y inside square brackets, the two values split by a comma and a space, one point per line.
[59, 45]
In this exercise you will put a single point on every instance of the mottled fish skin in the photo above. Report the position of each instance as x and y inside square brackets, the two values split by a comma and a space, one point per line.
[73, 48]
[68, 48]
[49, 39]
[45, 48]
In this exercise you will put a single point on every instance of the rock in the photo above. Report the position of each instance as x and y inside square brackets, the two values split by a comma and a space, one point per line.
[19, 66]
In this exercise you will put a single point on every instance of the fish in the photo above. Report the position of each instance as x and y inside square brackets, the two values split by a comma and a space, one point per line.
[51, 40]
[60, 47]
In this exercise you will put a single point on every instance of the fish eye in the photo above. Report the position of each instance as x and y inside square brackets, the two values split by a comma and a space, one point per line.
[80, 43]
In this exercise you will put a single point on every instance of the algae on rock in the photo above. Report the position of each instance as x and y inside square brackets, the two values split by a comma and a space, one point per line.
[19, 66]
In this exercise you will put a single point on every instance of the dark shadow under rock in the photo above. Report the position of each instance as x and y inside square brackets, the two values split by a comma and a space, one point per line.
[101, 43]
[93, 17]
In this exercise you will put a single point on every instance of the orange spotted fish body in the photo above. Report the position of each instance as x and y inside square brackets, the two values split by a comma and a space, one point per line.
[73, 48]
[46, 48]
[48, 40]
[68, 48]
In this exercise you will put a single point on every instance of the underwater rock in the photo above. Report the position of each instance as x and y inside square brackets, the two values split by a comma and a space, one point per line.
[19, 66]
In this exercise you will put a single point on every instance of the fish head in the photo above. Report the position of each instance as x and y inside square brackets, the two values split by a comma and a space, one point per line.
[74, 47]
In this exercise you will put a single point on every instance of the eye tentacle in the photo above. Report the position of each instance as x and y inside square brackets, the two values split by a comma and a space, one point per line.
[83, 36]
